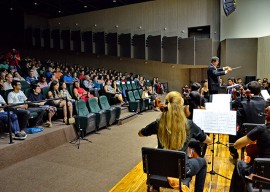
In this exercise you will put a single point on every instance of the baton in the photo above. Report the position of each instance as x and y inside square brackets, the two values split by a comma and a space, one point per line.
[236, 67]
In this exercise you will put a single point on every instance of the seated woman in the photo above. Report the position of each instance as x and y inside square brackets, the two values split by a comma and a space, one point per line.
[64, 92]
[35, 95]
[80, 93]
[205, 90]
[174, 131]
[110, 90]
[54, 94]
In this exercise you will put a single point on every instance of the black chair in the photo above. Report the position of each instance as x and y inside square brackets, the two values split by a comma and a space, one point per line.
[159, 164]
[261, 179]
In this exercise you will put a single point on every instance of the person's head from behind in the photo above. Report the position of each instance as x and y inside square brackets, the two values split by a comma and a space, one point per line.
[254, 87]
[195, 98]
[195, 86]
[16, 85]
[172, 125]
[215, 61]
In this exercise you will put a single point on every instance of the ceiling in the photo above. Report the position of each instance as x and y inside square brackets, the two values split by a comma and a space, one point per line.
[59, 8]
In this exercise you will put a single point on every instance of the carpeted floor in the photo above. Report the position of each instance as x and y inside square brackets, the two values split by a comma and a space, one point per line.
[95, 167]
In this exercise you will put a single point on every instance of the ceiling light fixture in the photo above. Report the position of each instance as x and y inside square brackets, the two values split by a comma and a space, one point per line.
[35, 3]
[59, 11]
[114, 1]
[11, 9]
[85, 6]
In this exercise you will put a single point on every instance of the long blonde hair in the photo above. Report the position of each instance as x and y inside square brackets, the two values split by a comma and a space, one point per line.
[172, 125]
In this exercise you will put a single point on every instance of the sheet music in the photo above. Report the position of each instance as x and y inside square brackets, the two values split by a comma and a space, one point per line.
[221, 122]
[218, 106]
[221, 98]
[265, 94]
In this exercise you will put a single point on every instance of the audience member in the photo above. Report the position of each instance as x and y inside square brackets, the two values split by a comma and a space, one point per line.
[7, 84]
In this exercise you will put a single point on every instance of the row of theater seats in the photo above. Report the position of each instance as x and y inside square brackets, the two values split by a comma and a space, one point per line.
[93, 115]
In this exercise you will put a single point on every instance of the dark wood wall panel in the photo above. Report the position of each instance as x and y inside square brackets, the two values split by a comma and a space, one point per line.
[99, 39]
[87, 38]
[111, 40]
[186, 51]
[124, 41]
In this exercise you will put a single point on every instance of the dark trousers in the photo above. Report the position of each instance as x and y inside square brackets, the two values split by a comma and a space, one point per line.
[197, 167]
[14, 124]
[238, 181]
[23, 117]
[40, 112]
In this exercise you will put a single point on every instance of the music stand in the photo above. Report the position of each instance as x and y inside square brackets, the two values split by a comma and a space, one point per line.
[79, 136]
[215, 122]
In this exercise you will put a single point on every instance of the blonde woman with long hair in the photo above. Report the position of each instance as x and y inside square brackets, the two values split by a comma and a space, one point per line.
[174, 132]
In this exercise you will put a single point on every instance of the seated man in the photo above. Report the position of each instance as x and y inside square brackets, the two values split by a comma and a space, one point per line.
[7, 84]
[261, 134]
[23, 111]
[87, 82]
[31, 78]
[14, 124]
[248, 112]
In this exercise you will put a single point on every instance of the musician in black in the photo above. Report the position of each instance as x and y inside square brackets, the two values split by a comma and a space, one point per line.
[248, 112]
[261, 134]
[213, 73]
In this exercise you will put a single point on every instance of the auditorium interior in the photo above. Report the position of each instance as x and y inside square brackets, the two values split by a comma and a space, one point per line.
[93, 73]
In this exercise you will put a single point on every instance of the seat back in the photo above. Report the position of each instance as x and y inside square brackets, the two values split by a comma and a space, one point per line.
[136, 95]
[93, 105]
[147, 83]
[45, 91]
[164, 163]
[133, 84]
[124, 86]
[25, 85]
[140, 92]
[81, 108]
[261, 167]
[131, 96]
[27, 92]
[129, 87]
[104, 102]
[71, 91]
[118, 85]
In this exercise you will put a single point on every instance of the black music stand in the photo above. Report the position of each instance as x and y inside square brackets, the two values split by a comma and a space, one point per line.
[212, 172]
[79, 132]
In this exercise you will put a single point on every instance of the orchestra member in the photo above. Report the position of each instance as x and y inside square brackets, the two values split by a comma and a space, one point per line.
[174, 131]
[261, 134]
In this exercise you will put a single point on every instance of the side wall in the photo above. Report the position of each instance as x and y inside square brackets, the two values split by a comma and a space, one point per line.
[263, 68]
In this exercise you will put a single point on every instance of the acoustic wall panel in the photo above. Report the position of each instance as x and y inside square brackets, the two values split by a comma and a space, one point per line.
[37, 37]
[138, 42]
[99, 39]
[87, 38]
[55, 35]
[169, 48]
[124, 40]
[111, 40]
[76, 38]
[65, 37]
[186, 54]
[153, 44]
[46, 37]
[203, 51]
[29, 37]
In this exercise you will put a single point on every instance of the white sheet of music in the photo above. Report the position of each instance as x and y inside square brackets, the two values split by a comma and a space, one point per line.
[221, 98]
[220, 122]
[265, 94]
[222, 106]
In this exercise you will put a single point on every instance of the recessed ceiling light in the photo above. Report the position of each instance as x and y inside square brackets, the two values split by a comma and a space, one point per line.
[59, 11]
[36, 3]
[114, 1]
[11, 9]
[85, 6]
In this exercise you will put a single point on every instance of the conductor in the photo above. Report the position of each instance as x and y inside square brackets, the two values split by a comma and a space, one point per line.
[213, 74]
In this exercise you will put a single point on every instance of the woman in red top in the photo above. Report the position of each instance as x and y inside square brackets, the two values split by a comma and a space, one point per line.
[80, 93]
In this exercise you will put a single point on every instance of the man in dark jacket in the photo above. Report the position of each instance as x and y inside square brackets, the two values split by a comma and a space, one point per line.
[213, 74]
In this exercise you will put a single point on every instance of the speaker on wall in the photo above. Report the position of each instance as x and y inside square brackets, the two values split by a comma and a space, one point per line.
[229, 6]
